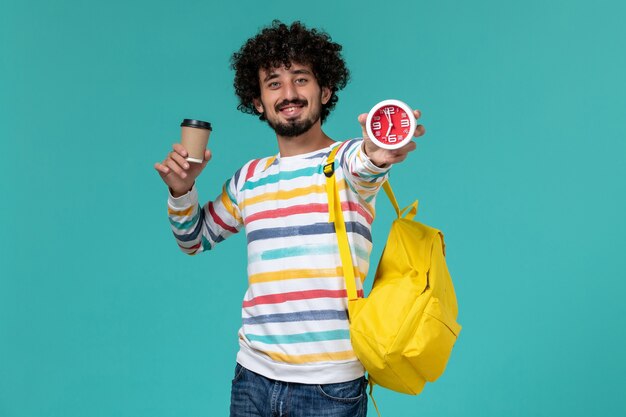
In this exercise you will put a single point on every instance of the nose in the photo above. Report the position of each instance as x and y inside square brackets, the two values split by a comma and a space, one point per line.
[289, 92]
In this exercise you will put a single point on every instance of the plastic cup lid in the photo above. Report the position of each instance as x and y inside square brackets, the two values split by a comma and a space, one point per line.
[196, 123]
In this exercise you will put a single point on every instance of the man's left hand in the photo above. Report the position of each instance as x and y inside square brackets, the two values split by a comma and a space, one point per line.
[384, 157]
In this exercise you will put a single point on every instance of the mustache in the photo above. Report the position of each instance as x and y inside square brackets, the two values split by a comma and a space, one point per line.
[286, 103]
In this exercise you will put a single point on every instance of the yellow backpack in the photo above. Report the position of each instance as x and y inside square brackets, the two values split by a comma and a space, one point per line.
[404, 331]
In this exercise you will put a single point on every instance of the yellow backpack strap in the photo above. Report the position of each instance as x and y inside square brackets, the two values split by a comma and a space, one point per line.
[336, 216]
[392, 197]
[410, 211]
[329, 170]
[371, 384]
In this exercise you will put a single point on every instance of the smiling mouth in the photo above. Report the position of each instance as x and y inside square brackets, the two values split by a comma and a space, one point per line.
[292, 108]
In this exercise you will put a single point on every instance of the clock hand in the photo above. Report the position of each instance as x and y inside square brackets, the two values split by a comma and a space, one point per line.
[388, 117]
[391, 124]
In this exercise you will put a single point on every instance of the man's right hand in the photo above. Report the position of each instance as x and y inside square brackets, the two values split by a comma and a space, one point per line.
[178, 173]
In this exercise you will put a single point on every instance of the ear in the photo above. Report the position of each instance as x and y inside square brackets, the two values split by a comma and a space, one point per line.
[257, 104]
[326, 94]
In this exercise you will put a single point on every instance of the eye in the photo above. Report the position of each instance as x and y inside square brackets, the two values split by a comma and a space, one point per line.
[273, 85]
[301, 81]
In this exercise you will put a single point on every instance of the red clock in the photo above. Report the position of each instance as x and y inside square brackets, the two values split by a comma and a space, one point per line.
[390, 124]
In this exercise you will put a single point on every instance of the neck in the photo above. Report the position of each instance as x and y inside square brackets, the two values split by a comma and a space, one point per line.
[312, 140]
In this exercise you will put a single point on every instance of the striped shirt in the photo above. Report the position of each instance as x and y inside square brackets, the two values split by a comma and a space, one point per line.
[294, 313]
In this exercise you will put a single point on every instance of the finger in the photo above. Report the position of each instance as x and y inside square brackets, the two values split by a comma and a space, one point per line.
[419, 131]
[207, 157]
[403, 151]
[171, 164]
[417, 114]
[410, 147]
[182, 162]
[398, 155]
[161, 168]
[400, 158]
[179, 149]
[362, 119]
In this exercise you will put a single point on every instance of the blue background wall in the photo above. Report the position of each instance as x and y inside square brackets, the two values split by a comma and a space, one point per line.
[522, 167]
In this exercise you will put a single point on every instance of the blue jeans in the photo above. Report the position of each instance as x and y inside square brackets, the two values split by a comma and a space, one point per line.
[254, 395]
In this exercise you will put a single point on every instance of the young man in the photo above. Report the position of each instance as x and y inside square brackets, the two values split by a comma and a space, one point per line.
[295, 355]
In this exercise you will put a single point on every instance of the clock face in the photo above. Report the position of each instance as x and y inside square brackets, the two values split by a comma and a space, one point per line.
[390, 124]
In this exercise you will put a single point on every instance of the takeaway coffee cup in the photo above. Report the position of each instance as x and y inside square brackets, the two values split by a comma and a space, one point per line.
[194, 138]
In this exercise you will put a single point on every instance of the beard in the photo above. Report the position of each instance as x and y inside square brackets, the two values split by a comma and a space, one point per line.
[294, 127]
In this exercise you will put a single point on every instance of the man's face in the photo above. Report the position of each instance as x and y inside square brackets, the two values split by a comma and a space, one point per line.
[291, 99]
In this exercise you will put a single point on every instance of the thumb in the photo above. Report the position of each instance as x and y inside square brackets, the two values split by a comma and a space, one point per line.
[362, 119]
[207, 157]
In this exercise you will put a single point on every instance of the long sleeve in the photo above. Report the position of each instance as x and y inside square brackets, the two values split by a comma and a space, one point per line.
[196, 228]
[362, 176]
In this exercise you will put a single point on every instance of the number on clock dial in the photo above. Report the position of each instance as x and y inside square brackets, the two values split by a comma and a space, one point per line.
[390, 125]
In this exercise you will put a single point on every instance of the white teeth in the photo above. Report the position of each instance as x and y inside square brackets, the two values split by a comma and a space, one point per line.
[290, 109]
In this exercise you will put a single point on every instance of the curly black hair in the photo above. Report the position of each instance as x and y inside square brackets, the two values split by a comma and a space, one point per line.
[281, 45]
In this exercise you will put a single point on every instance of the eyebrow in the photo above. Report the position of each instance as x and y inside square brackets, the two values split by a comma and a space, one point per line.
[273, 75]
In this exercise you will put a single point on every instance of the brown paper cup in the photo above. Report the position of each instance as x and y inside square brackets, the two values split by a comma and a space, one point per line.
[194, 138]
